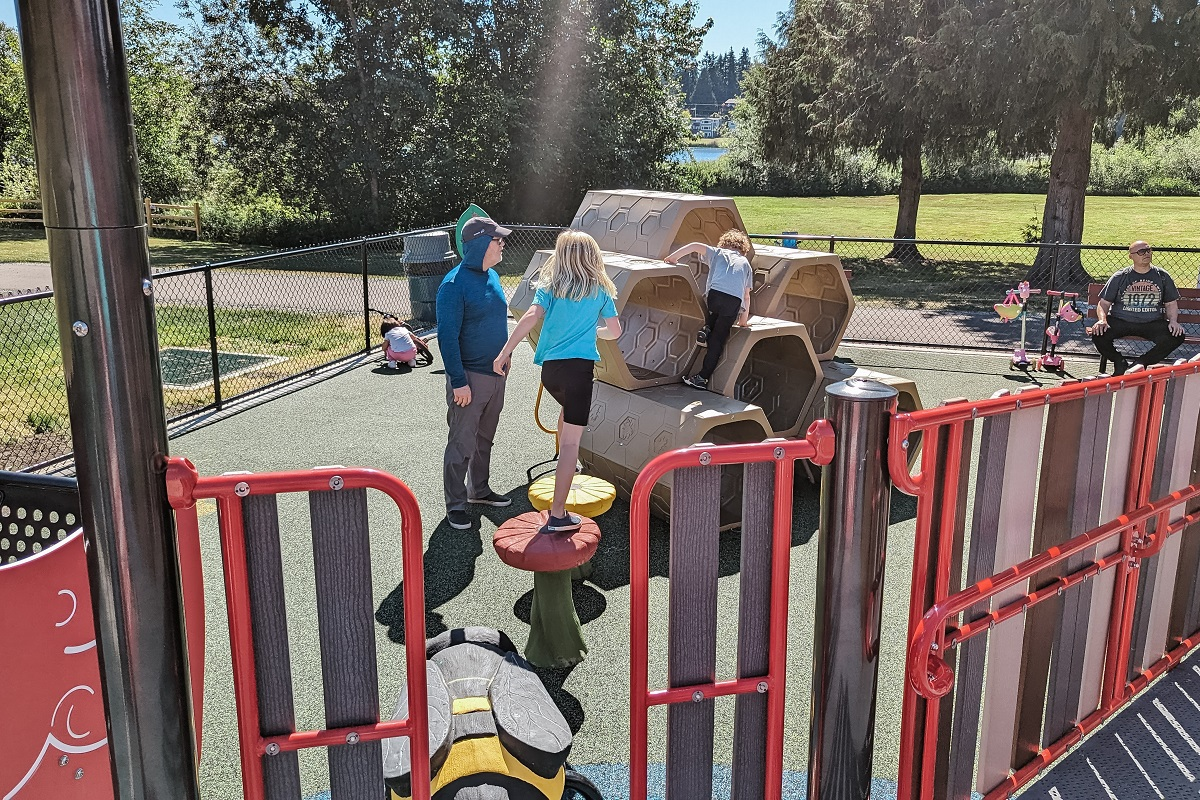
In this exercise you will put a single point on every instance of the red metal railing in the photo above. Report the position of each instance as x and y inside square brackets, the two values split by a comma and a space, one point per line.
[932, 629]
[185, 487]
[817, 446]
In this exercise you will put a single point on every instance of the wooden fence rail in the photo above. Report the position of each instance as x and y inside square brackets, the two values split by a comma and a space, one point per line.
[159, 216]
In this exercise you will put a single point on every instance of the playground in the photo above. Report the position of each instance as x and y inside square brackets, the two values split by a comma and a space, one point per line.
[370, 416]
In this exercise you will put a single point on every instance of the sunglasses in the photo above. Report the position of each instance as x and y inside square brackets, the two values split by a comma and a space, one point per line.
[1143, 251]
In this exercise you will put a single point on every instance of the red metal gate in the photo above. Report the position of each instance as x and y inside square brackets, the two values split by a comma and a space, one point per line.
[1082, 617]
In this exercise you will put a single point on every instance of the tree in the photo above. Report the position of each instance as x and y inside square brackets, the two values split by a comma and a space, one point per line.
[853, 74]
[1048, 72]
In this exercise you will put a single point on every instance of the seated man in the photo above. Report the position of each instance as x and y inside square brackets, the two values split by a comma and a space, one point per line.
[1133, 303]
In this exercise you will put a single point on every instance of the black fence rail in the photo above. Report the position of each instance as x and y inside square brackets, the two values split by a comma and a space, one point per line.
[233, 328]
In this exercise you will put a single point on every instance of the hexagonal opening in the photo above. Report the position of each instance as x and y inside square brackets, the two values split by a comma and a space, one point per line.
[706, 225]
[777, 375]
[659, 321]
[821, 306]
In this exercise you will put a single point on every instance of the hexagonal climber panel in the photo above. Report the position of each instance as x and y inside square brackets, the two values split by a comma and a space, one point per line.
[660, 311]
[652, 224]
[771, 364]
[627, 429]
[804, 286]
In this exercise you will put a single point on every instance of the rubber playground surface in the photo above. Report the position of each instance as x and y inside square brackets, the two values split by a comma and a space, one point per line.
[372, 417]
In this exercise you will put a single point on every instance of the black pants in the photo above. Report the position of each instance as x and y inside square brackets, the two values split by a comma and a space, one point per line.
[1156, 331]
[723, 311]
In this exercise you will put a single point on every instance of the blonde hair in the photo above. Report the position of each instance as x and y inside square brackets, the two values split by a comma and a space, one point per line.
[735, 240]
[576, 270]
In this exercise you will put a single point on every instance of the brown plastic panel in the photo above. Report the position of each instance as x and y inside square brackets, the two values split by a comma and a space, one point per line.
[652, 224]
[660, 311]
[803, 286]
[770, 363]
[627, 429]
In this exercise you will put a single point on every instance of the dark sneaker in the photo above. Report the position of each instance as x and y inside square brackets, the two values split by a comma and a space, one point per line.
[493, 499]
[1120, 366]
[696, 382]
[459, 520]
[702, 335]
[571, 522]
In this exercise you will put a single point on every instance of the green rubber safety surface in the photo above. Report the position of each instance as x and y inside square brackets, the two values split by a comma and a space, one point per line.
[186, 368]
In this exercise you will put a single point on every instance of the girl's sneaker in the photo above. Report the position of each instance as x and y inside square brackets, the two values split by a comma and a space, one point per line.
[571, 522]
[702, 335]
[696, 382]
[392, 364]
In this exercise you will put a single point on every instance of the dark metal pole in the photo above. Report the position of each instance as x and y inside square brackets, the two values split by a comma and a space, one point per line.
[855, 501]
[212, 335]
[87, 168]
[1052, 287]
[366, 300]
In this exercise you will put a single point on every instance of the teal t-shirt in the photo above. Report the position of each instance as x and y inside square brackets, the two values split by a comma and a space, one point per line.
[569, 327]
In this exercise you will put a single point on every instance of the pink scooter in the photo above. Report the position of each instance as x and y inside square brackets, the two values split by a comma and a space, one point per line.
[1012, 308]
[1067, 312]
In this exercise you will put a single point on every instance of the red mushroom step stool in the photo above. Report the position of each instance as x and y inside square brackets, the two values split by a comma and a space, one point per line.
[555, 635]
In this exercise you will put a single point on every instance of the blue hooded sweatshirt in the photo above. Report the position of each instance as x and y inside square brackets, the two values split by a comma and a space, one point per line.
[472, 315]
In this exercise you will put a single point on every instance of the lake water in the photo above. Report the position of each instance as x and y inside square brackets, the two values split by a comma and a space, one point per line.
[698, 153]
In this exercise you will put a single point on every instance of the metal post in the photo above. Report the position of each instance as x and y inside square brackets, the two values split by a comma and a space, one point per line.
[855, 501]
[212, 335]
[366, 300]
[87, 168]
[1053, 286]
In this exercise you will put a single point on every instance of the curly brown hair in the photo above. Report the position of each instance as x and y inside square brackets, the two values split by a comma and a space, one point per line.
[735, 240]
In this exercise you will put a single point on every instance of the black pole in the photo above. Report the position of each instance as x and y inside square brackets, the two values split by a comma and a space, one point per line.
[366, 300]
[855, 501]
[212, 335]
[1050, 288]
[87, 169]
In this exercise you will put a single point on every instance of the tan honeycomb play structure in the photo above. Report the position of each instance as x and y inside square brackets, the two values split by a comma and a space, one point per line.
[626, 429]
[770, 378]
[652, 224]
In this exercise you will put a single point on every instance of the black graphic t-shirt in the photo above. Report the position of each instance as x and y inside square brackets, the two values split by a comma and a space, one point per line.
[1139, 297]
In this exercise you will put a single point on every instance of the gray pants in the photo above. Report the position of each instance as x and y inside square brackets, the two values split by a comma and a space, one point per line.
[467, 464]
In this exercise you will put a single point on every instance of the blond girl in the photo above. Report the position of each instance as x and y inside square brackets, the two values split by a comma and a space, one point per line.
[574, 293]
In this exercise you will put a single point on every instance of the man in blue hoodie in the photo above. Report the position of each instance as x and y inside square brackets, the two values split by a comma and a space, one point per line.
[472, 324]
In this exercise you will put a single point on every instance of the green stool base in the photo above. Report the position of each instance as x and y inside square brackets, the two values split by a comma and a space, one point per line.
[555, 635]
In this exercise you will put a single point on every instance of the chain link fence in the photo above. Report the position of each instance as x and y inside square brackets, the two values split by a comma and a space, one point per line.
[935, 293]
[230, 329]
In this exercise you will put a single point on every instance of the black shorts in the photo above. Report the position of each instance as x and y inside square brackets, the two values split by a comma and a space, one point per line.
[569, 381]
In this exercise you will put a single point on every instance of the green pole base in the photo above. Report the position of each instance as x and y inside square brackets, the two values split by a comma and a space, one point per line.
[555, 635]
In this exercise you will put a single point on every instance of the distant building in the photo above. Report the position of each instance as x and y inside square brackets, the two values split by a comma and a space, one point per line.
[706, 126]
[730, 104]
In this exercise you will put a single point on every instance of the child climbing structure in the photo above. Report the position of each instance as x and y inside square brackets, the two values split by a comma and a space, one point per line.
[770, 378]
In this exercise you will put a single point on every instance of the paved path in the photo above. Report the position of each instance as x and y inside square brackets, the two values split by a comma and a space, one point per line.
[21, 276]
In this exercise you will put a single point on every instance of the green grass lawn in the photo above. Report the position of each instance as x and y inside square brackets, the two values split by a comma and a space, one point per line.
[979, 217]
[29, 245]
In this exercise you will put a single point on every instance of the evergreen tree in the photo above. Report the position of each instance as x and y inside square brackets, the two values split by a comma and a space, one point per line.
[854, 73]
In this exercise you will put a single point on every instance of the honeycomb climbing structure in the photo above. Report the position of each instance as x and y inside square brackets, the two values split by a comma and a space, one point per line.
[804, 286]
[660, 312]
[652, 224]
[627, 429]
[907, 399]
[770, 363]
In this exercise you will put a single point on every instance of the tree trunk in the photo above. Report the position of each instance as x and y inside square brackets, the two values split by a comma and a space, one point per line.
[1062, 219]
[910, 198]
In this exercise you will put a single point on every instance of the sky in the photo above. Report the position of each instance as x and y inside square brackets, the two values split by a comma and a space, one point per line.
[736, 23]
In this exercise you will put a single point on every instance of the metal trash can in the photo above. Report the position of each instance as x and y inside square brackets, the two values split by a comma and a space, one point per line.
[427, 259]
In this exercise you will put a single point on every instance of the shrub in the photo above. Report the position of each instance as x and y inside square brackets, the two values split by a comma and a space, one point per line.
[1031, 231]
[1169, 186]
[46, 421]
[267, 221]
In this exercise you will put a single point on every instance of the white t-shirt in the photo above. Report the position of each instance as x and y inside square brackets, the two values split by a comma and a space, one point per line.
[399, 340]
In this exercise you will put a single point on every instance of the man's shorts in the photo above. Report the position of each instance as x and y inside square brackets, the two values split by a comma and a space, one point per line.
[569, 381]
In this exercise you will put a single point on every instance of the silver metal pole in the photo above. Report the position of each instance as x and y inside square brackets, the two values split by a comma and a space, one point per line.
[87, 168]
[855, 501]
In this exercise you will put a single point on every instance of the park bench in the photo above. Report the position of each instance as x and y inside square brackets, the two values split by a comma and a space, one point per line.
[1189, 312]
